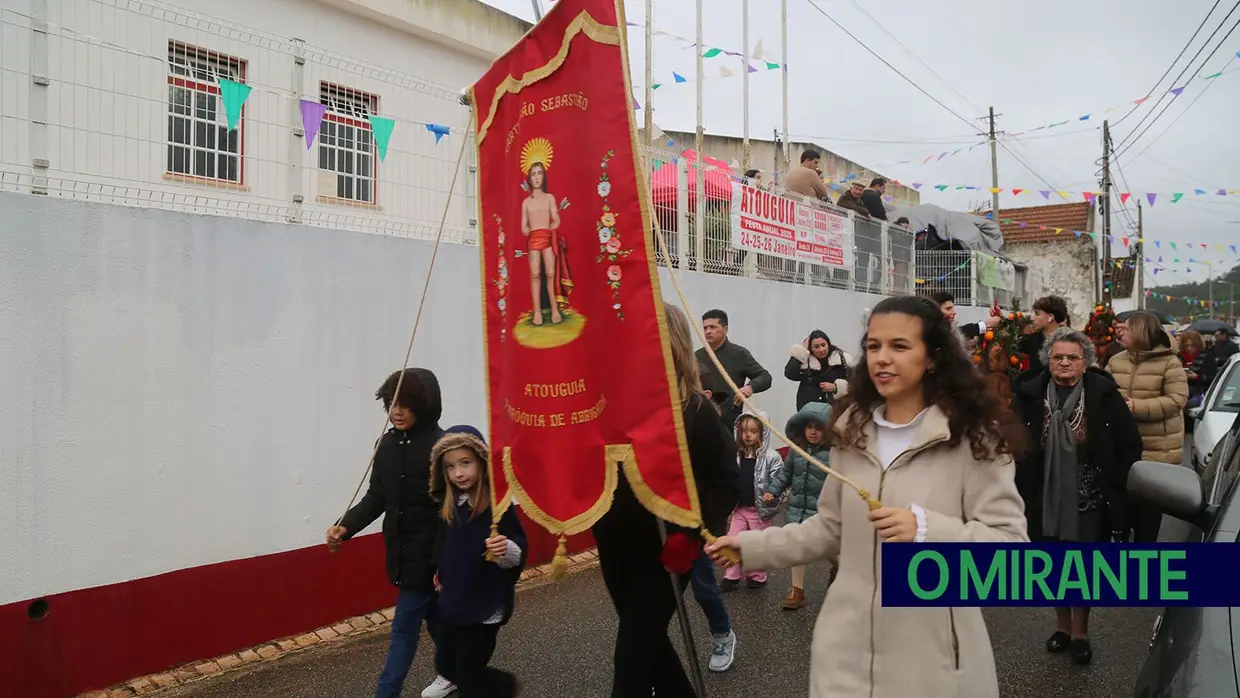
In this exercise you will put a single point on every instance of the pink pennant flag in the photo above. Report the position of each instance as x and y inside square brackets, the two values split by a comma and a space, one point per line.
[1141, 101]
[1123, 197]
[1125, 241]
[1016, 192]
[1089, 195]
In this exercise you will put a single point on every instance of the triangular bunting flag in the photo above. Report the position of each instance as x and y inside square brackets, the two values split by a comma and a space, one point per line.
[735, 164]
[1176, 91]
[1125, 241]
[1151, 198]
[1123, 197]
[712, 53]
[311, 119]
[382, 127]
[757, 50]
[1175, 198]
[439, 131]
[678, 77]
[1141, 101]
[1016, 192]
[1199, 192]
[772, 66]
[1046, 194]
[941, 187]
[1062, 194]
[724, 72]
[1089, 195]
[656, 86]
[916, 186]
[233, 94]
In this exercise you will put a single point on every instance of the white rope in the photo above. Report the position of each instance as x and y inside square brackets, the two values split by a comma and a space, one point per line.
[417, 319]
[757, 412]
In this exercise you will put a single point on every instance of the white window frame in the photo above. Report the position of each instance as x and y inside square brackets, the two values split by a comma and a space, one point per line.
[348, 154]
[200, 145]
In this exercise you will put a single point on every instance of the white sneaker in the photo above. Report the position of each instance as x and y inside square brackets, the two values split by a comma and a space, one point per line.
[722, 651]
[439, 688]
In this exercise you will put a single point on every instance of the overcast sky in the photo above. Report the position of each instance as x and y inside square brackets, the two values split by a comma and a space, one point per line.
[1037, 64]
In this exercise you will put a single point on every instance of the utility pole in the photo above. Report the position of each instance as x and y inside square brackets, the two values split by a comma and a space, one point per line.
[783, 8]
[994, 170]
[699, 211]
[744, 82]
[647, 106]
[1107, 275]
[1140, 280]
[538, 11]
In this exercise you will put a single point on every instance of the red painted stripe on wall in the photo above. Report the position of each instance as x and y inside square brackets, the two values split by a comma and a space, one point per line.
[95, 638]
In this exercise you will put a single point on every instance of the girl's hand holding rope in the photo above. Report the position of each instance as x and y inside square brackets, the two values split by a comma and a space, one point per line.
[721, 548]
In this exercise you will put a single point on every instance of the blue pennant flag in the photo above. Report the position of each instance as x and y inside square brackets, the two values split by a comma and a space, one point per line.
[439, 131]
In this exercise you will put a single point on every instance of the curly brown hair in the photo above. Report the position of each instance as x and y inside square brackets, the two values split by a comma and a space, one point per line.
[955, 387]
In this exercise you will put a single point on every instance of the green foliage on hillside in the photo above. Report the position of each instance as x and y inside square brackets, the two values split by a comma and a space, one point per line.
[1179, 308]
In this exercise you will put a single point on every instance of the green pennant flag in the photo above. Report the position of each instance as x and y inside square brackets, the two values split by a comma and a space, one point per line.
[233, 94]
[656, 86]
[1213, 76]
[1176, 197]
[382, 128]
[712, 53]
[941, 187]
[772, 66]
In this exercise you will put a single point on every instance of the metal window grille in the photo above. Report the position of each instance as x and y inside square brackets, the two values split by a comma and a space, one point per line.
[347, 149]
[200, 144]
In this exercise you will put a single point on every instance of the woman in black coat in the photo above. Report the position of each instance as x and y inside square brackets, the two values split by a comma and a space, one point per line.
[819, 367]
[630, 544]
[1084, 440]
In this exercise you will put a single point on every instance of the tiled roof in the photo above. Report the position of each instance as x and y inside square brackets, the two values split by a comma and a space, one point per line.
[1038, 223]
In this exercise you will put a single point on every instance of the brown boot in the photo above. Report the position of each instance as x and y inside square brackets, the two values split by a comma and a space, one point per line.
[794, 600]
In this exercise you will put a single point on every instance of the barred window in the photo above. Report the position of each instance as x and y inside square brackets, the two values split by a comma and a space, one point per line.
[199, 141]
[347, 152]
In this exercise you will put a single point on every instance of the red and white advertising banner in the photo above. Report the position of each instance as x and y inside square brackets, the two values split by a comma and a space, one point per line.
[783, 227]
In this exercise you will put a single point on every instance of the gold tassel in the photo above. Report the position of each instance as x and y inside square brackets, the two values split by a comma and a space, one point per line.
[559, 564]
[874, 504]
[728, 554]
[490, 556]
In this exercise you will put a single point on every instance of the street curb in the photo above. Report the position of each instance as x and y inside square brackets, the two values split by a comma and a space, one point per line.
[350, 627]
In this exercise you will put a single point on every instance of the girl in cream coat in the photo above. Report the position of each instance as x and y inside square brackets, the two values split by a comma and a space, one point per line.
[923, 435]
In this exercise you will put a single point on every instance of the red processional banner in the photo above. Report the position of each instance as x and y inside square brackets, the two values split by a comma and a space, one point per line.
[579, 371]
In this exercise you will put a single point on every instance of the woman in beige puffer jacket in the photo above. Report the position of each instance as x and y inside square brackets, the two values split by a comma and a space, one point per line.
[1154, 385]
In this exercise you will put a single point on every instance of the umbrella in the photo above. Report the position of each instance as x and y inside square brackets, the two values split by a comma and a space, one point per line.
[1211, 326]
[717, 181]
[1162, 319]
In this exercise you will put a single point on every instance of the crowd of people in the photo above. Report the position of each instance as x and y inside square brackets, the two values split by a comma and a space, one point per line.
[912, 417]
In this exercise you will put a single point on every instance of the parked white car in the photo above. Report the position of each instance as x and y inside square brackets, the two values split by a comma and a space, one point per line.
[1218, 409]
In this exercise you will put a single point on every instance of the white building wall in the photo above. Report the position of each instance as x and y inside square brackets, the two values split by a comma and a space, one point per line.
[178, 390]
[106, 114]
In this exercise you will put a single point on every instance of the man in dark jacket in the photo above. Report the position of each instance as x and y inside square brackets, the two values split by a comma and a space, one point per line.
[851, 200]
[873, 198]
[739, 363]
[412, 529]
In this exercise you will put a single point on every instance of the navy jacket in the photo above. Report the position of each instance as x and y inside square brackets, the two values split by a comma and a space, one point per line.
[473, 589]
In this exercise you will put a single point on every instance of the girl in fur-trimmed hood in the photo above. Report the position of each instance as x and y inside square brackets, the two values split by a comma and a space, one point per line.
[820, 368]
[478, 571]
[758, 464]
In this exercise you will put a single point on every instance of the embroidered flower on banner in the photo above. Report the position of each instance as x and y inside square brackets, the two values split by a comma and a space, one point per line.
[610, 248]
[501, 280]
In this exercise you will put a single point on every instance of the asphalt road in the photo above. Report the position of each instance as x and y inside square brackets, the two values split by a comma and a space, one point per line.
[559, 643]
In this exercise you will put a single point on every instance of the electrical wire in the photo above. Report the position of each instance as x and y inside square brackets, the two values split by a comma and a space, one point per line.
[1133, 136]
[1177, 60]
[894, 69]
[1186, 109]
[838, 139]
[914, 55]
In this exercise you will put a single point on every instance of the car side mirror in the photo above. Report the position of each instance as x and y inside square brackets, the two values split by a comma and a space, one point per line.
[1174, 489]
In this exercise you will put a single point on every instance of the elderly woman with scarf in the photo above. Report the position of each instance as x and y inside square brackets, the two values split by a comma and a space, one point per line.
[1084, 440]
[819, 367]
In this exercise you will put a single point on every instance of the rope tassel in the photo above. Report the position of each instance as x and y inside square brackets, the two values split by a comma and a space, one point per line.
[733, 557]
[559, 564]
[490, 556]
